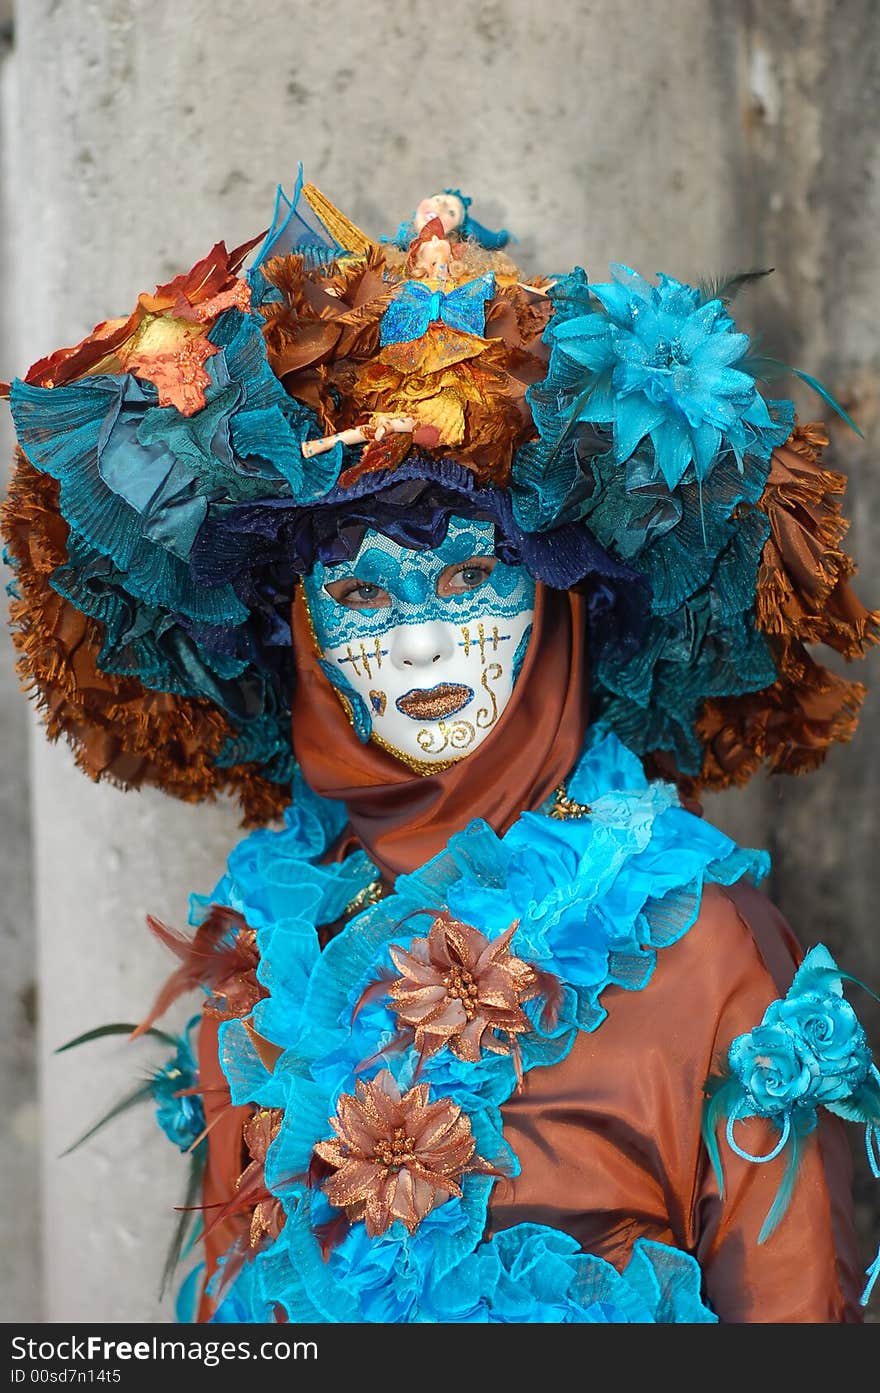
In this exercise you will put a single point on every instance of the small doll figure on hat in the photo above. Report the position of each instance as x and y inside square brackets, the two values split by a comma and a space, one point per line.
[434, 254]
[432, 260]
[420, 381]
[452, 208]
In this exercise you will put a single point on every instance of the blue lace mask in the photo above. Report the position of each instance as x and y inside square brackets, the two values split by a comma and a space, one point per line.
[423, 646]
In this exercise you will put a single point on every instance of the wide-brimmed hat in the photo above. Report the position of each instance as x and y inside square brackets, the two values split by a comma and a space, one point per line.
[616, 434]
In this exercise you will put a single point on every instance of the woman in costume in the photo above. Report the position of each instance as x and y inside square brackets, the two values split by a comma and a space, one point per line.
[465, 586]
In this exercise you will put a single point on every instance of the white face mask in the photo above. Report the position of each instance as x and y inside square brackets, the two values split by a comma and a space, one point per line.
[424, 646]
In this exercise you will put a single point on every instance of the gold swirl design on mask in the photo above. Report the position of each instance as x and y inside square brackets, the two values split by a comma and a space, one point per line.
[485, 719]
[462, 735]
[458, 735]
[418, 766]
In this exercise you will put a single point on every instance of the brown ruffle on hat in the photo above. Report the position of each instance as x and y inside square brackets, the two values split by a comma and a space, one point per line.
[163, 667]
[804, 596]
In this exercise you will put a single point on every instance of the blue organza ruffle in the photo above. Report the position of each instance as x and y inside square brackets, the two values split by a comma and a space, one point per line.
[529, 1274]
[137, 483]
[664, 464]
[596, 898]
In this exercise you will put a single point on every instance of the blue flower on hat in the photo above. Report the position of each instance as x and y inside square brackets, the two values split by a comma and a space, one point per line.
[666, 364]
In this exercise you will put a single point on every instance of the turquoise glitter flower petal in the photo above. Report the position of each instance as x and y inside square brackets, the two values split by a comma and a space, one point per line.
[663, 363]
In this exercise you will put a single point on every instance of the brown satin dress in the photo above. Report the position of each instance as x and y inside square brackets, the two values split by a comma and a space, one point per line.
[609, 1139]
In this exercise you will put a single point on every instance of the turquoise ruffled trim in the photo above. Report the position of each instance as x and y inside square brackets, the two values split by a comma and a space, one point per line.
[137, 483]
[145, 519]
[665, 465]
[529, 1274]
[596, 899]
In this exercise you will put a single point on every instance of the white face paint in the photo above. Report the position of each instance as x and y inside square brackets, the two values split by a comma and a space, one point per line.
[424, 646]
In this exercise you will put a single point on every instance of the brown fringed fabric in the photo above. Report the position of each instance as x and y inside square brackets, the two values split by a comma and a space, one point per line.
[117, 728]
[803, 597]
[322, 328]
[322, 342]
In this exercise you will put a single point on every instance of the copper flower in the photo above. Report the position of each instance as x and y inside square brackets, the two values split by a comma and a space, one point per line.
[458, 987]
[396, 1156]
[267, 1215]
[222, 956]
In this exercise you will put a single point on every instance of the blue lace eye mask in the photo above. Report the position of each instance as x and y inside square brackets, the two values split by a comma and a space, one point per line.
[410, 578]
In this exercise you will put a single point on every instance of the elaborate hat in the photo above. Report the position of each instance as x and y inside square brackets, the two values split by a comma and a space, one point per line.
[162, 505]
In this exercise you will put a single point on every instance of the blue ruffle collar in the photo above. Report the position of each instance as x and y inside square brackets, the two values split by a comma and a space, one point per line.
[594, 899]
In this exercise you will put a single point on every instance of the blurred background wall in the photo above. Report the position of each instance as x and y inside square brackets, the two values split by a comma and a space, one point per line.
[691, 136]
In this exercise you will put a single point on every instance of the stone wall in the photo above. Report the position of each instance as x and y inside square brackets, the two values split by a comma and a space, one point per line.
[686, 135]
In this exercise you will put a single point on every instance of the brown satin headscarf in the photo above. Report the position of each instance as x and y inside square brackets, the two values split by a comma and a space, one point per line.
[401, 818]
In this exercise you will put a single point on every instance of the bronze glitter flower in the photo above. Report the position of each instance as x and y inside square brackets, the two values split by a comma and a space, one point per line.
[460, 988]
[396, 1156]
[267, 1214]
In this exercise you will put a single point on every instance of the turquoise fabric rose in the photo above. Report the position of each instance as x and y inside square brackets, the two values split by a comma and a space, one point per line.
[809, 1051]
[829, 1028]
[182, 1119]
[776, 1069]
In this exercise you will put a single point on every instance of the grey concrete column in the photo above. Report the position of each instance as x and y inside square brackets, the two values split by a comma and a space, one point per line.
[140, 133]
[20, 1293]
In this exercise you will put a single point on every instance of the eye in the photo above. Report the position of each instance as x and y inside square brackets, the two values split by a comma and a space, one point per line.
[358, 594]
[463, 576]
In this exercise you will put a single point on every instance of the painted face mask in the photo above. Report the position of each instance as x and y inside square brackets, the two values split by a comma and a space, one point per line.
[423, 646]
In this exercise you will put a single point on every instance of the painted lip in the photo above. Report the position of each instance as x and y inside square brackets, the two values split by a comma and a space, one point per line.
[434, 703]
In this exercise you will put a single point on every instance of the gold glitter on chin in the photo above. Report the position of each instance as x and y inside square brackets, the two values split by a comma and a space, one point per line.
[418, 766]
[457, 736]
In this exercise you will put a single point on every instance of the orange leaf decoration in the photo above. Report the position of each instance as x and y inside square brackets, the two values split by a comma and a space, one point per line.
[164, 339]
